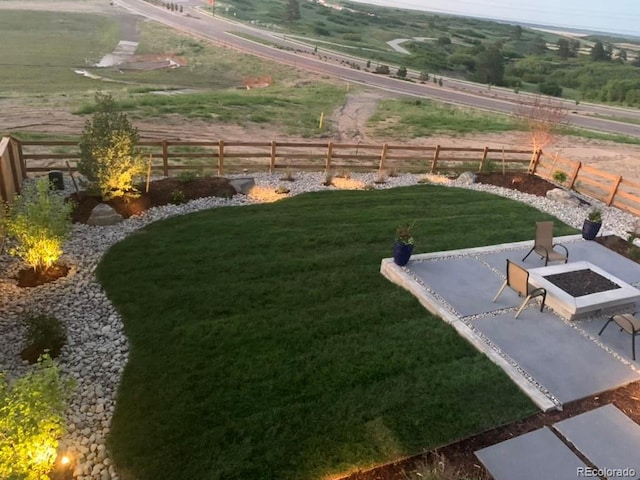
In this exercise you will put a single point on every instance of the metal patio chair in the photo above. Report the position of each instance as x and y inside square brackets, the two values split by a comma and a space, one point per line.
[518, 280]
[630, 324]
[543, 245]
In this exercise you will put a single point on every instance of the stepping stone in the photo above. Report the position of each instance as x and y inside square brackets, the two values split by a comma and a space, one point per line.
[608, 439]
[533, 456]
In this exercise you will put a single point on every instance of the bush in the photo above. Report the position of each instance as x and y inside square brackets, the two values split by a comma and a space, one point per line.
[382, 69]
[31, 422]
[108, 156]
[39, 222]
[559, 176]
[45, 333]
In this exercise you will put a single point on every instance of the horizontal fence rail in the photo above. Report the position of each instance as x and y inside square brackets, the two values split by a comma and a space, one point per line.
[20, 158]
[609, 188]
[235, 156]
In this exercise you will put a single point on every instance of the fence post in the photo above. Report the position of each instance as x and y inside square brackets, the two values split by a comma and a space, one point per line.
[535, 160]
[272, 161]
[614, 190]
[21, 157]
[383, 156]
[434, 162]
[220, 157]
[574, 175]
[165, 158]
[484, 158]
[14, 170]
[327, 165]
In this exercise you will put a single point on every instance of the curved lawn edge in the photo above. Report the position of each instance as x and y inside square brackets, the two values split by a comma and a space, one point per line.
[265, 342]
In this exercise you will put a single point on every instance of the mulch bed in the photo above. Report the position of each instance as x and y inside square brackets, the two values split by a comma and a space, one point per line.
[161, 192]
[521, 182]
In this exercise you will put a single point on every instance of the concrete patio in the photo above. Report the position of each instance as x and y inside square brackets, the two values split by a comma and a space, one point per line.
[553, 360]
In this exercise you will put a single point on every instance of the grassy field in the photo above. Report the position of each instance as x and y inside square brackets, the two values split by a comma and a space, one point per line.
[266, 344]
[41, 50]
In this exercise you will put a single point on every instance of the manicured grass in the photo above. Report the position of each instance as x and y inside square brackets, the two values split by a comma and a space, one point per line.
[266, 344]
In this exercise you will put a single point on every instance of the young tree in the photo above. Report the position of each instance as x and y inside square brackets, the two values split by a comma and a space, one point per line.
[402, 72]
[39, 222]
[541, 118]
[108, 154]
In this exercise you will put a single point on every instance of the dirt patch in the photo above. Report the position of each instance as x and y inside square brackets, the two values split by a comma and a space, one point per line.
[517, 181]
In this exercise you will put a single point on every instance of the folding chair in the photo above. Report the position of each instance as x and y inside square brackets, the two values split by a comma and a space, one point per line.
[629, 324]
[518, 280]
[543, 244]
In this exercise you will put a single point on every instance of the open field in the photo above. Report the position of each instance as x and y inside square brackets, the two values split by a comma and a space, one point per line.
[305, 362]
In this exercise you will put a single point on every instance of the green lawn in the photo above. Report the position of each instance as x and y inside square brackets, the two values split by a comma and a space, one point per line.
[266, 344]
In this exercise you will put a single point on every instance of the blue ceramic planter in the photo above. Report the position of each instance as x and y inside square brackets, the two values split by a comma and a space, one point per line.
[401, 253]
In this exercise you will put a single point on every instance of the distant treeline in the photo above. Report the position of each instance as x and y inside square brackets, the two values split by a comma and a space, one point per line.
[594, 68]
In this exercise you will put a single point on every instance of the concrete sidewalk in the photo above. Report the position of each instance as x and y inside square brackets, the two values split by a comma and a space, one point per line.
[551, 359]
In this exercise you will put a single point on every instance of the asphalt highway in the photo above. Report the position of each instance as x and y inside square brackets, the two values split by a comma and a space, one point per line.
[300, 55]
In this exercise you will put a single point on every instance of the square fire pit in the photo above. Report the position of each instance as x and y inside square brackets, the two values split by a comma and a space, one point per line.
[571, 295]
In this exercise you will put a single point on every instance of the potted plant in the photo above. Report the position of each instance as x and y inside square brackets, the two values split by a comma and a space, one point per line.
[592, 224]
[403, 245]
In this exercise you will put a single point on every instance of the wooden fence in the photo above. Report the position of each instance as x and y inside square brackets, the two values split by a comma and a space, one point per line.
[231, 156]
[20, 158]
[607, 187]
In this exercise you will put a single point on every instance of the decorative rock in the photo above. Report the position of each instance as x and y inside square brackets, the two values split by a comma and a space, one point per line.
[563, 196]
[466, 178]
[243, 185]
[104, 214]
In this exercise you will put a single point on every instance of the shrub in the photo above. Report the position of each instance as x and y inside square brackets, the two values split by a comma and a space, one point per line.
[187, 176]
[31, 421]
[118, 166]
[177, 197]
[39, 222]
[382, 69]
[559, 176]
[108, 157]
[44, 333]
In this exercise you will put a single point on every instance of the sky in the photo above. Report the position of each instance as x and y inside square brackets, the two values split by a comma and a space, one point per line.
[614, 16]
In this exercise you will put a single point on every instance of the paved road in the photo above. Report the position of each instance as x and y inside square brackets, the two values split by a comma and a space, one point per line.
[301, 56]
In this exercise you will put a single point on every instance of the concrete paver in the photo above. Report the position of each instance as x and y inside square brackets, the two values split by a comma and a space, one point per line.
[608, 439]
[533, 456]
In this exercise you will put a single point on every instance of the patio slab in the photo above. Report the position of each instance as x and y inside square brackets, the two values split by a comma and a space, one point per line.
[533, 456]
[550, 360]
[608, 439]
[456, 280]
[612, 337]
[556, 355]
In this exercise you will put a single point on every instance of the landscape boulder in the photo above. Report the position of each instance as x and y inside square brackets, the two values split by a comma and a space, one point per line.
[467, 178]
[104, 214]
[563, 196]
[243, 185]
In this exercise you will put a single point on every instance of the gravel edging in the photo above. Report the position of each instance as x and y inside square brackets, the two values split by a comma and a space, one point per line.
[97, 349]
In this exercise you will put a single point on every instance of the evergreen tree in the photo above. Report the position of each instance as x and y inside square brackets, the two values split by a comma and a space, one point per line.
[490, 67]
[598, 53]
[293, 11]
[563, 48]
